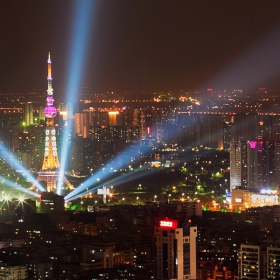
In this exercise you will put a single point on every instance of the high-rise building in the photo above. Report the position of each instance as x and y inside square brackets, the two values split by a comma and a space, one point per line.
[115, 118]
[227, 134]
[277, 163]
[14, 129]
[211, 131]
[273, 262]
[77, 155]
[142, 125]
[259, 262]
[175, 250]
[66, 111]
[246, 125]
[13, 272]
[250, 262]
[261, 166]
[238, 164]
[276, 128]
[189, 126]
[41, 114]
[200, 130]
[40, 270]
[26, 158]
[9, 135]
[253, 164]
[100, 118]
[50, 201]
[28, 114]
[50, 169]
[81, 125]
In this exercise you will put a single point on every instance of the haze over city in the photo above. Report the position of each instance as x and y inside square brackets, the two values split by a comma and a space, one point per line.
[143, 45]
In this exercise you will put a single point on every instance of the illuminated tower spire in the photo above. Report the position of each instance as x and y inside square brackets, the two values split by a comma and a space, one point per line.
[50, 169]
[50, 88]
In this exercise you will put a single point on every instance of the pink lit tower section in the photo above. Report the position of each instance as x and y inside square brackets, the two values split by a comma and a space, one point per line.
[50, 169]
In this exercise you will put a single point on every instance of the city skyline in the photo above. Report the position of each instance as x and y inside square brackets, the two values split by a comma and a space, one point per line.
[158, 183]
[143, 45]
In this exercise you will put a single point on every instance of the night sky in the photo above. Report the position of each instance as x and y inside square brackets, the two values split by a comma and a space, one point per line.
[143, 44]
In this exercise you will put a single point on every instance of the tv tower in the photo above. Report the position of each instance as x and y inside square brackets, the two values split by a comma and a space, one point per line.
[50, 169]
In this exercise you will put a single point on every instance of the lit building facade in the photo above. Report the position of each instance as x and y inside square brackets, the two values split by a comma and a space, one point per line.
[273, 262]
[211, 131]
[259, 262]
[9, 135]
[28, 114]
[238, 164]
[242, 199]
[254, 164]
[205, 130]
[246, 125]
[261, 166]
[40, 270]
[13, 272]
[277, 163]
[81, 125]
[250, 262]
[175, 243]
[50, 201]
[114, 118]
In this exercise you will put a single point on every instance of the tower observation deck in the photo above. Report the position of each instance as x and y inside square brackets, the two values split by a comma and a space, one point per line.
[50, 169]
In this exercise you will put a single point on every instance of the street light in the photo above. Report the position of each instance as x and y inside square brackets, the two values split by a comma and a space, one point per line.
[183, 197]
[155, 198]
[169, 197]
[214, 204]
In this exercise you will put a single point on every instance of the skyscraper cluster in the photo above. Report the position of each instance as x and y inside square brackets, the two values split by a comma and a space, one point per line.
[254, 151]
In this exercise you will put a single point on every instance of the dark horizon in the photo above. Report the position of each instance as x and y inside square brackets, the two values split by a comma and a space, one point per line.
[143, 45]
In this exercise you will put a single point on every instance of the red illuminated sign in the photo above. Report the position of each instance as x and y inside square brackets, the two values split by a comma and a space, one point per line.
[168, 224]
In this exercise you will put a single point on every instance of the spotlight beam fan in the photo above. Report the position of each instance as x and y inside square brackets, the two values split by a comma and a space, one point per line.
[81, 30]
[124, 179]
[17, 187]
[102, 173]
[13, 162]
[91, 181]
[116, 181]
